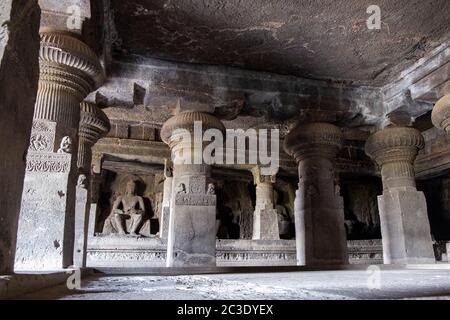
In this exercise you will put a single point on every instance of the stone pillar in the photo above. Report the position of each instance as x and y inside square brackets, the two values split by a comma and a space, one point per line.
[19, 72]
[93, 125]
[265, 219]
[165, 206]
[403, 210]
[192, 239]
[440, 116]
[69, 70]
[318, 207]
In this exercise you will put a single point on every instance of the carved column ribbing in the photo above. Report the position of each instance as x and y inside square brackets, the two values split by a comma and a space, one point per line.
[191, 239]
[69, 70]
[265, 219]
[93, 125]
[403, 211]
[319, 209]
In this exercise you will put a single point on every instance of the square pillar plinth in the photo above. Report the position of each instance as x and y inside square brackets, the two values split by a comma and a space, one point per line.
[319, 228]
[265, 223]
[405, 228]
[45, 235]
[192, 238]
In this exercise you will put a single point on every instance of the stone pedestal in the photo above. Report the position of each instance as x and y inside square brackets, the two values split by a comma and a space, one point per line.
[318, 207]
[191, 239]
[265, 219]
[19, 49]
[69, 70]
[405, 228]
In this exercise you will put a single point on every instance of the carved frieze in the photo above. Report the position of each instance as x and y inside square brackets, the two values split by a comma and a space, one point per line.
[42, 136]
[48, 162]
[188, 199]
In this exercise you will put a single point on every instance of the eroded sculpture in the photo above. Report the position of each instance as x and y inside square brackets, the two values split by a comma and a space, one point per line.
[127, 211]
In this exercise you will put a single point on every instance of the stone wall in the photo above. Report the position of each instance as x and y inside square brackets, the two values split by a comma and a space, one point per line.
[362, 220]
[19, 71]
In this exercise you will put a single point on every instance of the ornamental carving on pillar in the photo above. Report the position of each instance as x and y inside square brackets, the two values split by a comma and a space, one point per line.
[394, 144]
[440, 115]
[259, 178]
[167, 169]
[42, 136]
[48, 162]
[94, 124]
[66, 145]
[394, 149]
[69, 71]
[317, 138]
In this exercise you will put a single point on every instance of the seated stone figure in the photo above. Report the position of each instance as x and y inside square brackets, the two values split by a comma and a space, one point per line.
[129, 206]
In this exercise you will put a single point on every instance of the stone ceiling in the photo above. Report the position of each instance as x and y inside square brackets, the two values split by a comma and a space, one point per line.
[322, 39]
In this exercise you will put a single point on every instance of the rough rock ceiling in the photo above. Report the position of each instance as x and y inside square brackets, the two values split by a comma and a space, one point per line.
[322, 39]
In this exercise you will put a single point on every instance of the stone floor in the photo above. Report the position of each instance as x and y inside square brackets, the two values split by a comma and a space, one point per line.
[347, 284]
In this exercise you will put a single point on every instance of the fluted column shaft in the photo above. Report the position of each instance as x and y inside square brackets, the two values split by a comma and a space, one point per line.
[318, 208]
[191, 238]
[69, 70]
[403, 211]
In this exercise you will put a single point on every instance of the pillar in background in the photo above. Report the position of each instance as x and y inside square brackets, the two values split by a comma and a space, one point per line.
[192, 239]
[319, 208]
[265, 218]
[69, 71]
[94, 124]
[19, 73]
[165, 207]
[405, 228]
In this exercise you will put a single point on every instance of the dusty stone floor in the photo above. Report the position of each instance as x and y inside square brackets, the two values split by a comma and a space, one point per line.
[348, 284]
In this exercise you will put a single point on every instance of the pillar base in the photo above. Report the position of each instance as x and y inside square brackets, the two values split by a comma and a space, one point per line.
[192, 242]
[265, 224]
[44, 240]
[192, 239]
[319, 228]
[405, 227]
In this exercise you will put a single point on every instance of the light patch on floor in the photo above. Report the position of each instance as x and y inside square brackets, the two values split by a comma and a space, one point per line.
[317, 285]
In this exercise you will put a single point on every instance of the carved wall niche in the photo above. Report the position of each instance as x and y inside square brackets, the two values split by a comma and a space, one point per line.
[148, 186]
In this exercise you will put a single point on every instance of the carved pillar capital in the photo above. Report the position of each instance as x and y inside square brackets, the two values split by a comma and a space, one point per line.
[94, 124]
[313, 139]
[184, 135]
[171, 130]
[259, 178]
[440, 116]
[395, 149]
[69, 71]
